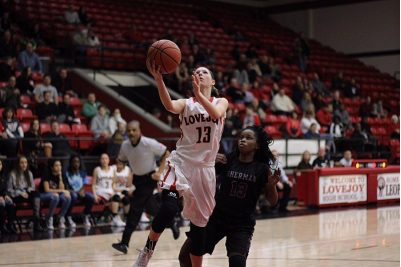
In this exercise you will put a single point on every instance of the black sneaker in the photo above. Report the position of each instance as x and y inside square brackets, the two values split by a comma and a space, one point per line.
[176, 230]
[120, 247]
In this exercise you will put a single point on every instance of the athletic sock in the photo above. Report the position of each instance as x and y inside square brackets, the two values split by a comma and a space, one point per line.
[151, 244]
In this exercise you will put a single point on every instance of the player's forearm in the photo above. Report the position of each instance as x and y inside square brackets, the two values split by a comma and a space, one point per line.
[164, 95]
[212, 110]
[163, 161]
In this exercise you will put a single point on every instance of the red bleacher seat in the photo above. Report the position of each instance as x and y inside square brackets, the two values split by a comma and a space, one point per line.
[25, 126]
[273, 131]
[45, 127]
[25, 115]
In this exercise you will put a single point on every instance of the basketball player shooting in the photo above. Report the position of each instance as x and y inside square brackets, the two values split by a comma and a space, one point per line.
[190, 173]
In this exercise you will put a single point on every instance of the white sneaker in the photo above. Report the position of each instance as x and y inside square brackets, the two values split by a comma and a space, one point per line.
[71, 223]
[143, 258]
[87, 223]
[144, 218]
[61, 223]
[117, 221]
[49, 224]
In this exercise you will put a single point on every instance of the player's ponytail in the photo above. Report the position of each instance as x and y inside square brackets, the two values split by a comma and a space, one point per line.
[215, 91]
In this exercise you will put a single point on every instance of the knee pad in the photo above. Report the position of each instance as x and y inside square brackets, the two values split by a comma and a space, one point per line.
[125, 193]
[125, 201]
[167, 211]
[116, 198]
[197, 236]
[237, 260]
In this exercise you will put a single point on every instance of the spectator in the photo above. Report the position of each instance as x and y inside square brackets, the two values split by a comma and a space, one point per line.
[284, 185]
[345, 119]
[89, 109]
[7, 208]
[100, 123]
[324, 115]
[92, 40]
[274, 70]
[259, 107]
[119, 136]
[83, 16]
[210, 58]
[293, 126]
[366, 108]
[80, 38]
[12, 132]
[361, 134]
[312, 132]
[28, 58]
[298, 91]
[336, 102]
[102, 186]
[304, 164]
[346, 161]
[338, 82]
[395, 135]
[378, 110]
[282, 104]
[302, 51]
[115, 120]
[394, 126]
[307, 121]
[264, 66]
[253, 71]
[275, 89]
[25, 82]
[8, 48]
[234, 91]
[248, 97]
[12, 94]
[199, 55]
[318, 86]
[182, 76]
[62, 81]
[123, 184]
[7, 69]
[60, 144]
[46, 86]
[52, 189]
[336, 128]
[71, 15]
[74, 180]
[192, 40]
[66, 111]
[322, 160]
[351, 89]
[241, 75]
[251, 117]
[47, 110]
[306, 102]
[32, 143]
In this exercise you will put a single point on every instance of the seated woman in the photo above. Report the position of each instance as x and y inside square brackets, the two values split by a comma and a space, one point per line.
[22, 189]
[102, 186]
[52, 189]
[12, 131]
[7, 209]
[75, 178]
[123, 183]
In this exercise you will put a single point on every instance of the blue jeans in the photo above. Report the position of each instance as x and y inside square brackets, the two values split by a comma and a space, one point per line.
[54, 199]
[88, 199]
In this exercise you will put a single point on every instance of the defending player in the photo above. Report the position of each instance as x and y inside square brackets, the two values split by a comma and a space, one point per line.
[245, 174]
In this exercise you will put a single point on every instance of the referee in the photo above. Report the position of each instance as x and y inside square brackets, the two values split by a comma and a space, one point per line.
[141, 153]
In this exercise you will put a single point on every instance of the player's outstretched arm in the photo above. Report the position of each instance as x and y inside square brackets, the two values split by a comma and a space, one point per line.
[174, 106]
[215, 111]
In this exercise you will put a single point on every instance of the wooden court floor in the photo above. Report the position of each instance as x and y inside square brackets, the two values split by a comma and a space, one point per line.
[353, 237]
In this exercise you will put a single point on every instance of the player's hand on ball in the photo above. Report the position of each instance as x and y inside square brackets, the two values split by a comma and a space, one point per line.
[155, 71]
[221, 158]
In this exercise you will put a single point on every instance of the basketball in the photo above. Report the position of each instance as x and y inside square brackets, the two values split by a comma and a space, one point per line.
[166, 54]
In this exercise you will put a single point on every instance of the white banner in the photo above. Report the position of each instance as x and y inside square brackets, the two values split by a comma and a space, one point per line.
[342, 188]
[388, 186]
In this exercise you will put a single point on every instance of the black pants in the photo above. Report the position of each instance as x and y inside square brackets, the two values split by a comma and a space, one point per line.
[33, 200]
[283, 203]
[8, 212]
[142, 194]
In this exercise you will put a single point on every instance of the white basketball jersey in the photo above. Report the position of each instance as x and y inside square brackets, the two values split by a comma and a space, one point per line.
[104, 180]
[200, 135]
[121, 177]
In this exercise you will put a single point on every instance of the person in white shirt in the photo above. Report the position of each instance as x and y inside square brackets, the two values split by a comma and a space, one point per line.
[282, 104]
[284, 185]
[114, 120]
[71, 16]
[346, 161]
[42, 88]
[307, 120]
[141, 153]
